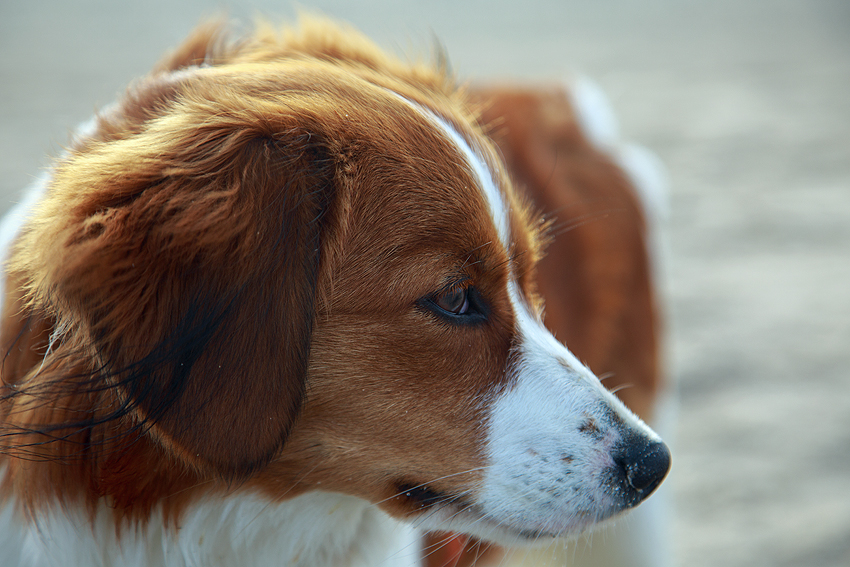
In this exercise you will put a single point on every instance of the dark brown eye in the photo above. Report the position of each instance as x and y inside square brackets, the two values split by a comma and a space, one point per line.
[454, 301]
[458, 305]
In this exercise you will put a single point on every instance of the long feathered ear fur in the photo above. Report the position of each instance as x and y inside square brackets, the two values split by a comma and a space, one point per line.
[179, 261]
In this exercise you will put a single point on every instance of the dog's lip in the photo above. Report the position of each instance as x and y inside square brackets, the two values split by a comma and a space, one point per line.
[423, 496]
[462, 514]
[577, 524]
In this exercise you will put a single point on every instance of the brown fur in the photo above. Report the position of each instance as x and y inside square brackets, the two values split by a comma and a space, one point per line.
[232, 268]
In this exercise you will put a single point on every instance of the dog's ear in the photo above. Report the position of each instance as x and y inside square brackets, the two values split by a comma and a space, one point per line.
[186, 255]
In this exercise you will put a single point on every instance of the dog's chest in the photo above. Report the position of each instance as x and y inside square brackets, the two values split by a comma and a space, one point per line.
[315, 530]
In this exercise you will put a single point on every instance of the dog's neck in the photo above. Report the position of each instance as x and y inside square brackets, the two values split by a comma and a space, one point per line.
[317, 529]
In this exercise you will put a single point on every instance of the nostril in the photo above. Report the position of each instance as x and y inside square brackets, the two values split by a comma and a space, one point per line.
[648, 467]
[644, 465]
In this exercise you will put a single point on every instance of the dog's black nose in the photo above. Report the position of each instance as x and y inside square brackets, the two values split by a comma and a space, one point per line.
[642, 464]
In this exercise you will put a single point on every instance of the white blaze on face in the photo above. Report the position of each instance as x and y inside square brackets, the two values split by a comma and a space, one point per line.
[481, 172]
[551, 439]
[551, 433]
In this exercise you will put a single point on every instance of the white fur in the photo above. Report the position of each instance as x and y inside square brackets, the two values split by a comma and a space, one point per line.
[317, 529]
[477, 165]
[599, 124]
[545, 474]
[14, 219]
[12, 222]
[495, 202]
[594, 113]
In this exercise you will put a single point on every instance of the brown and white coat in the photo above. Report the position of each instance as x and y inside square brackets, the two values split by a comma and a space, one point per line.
[277, 305]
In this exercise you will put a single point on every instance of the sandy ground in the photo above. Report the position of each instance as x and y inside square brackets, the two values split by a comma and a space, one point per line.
[747, 103]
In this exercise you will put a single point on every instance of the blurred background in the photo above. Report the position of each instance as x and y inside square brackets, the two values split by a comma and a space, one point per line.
[748, 104]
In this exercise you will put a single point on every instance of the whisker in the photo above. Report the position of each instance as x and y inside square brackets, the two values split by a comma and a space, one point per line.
[437, 546]
[581, 220]
[621, 387]
[471, 252]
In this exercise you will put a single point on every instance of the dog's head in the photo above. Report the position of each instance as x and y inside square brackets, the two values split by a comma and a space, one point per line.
[303, 265]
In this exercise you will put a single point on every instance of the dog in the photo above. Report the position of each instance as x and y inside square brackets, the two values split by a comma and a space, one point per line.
[279, 305]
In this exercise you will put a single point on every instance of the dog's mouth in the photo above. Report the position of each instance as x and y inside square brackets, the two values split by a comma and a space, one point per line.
[420, 497]
[447, 511]
[438, 510]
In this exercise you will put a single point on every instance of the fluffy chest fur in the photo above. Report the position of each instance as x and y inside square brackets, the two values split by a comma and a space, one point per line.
[241, 530]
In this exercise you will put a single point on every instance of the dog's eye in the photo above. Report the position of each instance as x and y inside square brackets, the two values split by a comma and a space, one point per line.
[460, 305]
[454, 301]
